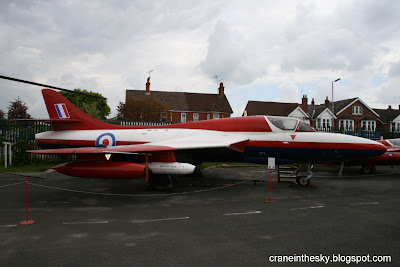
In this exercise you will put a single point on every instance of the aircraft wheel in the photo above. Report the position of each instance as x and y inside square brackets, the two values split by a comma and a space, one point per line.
[161, 182]
[366, 169]
[301, 181]
[198, 172]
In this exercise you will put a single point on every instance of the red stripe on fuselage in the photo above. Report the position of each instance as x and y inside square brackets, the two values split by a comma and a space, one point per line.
[315, 145]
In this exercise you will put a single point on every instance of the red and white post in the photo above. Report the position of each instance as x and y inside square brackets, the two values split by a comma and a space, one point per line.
[27, 222]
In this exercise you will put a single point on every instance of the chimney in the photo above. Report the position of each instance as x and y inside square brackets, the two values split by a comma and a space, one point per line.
[312, 102]
[326, 103]
[390, 107]
[304, 103]
[148, 86]
[221, 89]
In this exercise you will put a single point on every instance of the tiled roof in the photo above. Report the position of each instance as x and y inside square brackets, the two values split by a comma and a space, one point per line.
[387, 115]
[182, 101]
[284, 109]
[339, 105]
[270, 108]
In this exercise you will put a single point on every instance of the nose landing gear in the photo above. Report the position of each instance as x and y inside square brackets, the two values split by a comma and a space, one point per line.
[305, 180]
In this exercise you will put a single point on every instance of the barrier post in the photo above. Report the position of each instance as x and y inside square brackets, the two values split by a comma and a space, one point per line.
[271, 166]
[147, 168]
[27, 222]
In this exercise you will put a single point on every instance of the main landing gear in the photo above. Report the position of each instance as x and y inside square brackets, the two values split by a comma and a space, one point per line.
[304, 180]
[161, 182]
[368, 168]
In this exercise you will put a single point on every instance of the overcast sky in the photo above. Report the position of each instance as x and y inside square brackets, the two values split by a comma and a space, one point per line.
[273, 50]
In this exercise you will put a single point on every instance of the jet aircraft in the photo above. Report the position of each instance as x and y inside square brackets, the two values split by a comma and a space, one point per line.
[124, 152]
[391, 157]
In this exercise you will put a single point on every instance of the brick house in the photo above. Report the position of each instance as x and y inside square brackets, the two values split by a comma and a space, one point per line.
[185, 106]
[349, 114]
[391, 118]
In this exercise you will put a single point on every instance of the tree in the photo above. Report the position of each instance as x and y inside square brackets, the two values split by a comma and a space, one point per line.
[2, 115]
[93, 106]
[146, 108]
[18, 110]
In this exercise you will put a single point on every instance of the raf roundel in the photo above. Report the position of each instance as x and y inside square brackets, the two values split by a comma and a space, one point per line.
[107, 139]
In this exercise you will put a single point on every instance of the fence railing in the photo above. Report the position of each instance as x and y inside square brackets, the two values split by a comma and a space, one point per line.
[25, 131]
[379, 133]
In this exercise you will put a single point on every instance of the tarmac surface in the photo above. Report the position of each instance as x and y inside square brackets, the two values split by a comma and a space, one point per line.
[204, 221]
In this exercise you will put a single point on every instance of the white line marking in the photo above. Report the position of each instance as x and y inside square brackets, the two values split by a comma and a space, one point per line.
[366, 203]
[243, 213]
[94, 222]
[8, 225]
[315, 207]
[159, 220]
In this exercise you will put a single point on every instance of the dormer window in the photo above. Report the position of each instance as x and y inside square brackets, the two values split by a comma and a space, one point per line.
[357, 110]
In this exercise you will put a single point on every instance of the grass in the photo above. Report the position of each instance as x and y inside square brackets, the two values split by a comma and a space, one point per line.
[27, 168]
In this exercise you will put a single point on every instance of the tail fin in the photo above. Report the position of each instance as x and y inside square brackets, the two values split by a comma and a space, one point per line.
[66, 116]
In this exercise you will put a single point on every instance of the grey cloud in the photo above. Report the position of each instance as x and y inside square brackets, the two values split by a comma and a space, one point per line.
[229, 58]
[395, 70]
[316, 42]
[374, 21]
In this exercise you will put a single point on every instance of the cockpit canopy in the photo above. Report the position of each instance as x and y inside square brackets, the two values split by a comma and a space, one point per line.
[394, 142]
[290, 124]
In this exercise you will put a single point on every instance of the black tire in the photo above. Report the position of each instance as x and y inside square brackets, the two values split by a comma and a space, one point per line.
[366, 169]
[160, 181]
[302, 182]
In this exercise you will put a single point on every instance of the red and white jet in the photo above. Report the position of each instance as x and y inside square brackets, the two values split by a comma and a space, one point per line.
[112, 151]
[390, 158]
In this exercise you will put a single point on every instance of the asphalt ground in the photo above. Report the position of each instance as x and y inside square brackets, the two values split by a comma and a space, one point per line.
[205, 221]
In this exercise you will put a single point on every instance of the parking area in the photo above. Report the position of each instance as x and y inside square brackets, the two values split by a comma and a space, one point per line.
[218, 219]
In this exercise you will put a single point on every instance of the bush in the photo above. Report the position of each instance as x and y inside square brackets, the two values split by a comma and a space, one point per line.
[20, 157]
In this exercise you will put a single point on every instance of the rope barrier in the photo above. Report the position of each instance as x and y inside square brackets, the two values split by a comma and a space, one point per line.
[1, 186]
[145, 195]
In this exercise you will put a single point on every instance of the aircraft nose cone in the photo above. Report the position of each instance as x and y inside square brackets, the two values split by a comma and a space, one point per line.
[375, 149]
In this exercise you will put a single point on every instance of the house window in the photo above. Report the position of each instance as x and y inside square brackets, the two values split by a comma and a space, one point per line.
[164, 117]
[356, 110]
[183, 117]
[368, 125]
[215, 116]
[208, 116]
[324, 124]
[396, 127]
[195, 116]
[346, 125]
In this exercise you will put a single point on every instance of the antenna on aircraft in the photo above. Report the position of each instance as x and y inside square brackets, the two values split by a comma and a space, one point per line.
[48, 86]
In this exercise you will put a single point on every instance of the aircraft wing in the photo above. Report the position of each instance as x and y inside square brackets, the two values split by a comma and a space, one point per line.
[202, 141]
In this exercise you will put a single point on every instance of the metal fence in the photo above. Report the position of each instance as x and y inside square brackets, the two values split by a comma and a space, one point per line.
[25, 131]
[379, 133]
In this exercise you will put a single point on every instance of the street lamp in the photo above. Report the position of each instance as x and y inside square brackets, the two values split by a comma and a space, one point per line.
[333, 105]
